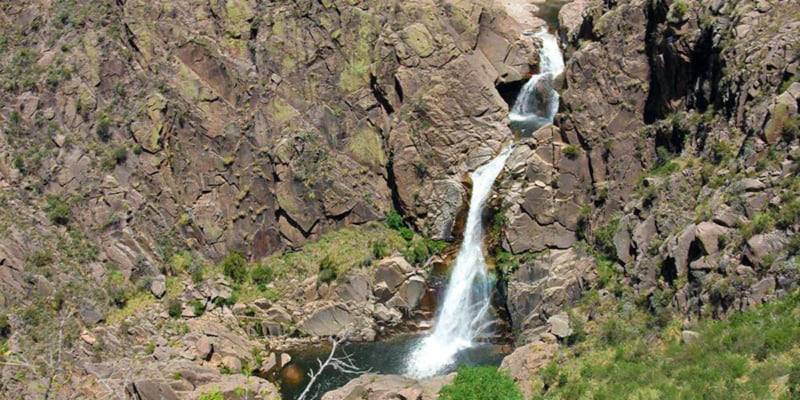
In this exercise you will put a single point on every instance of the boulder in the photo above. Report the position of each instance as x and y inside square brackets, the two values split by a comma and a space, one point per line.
[570, 20]
[526, 361]
[410, 294]
[760, 290]
[386, 387]
[151, 390]
[328, 320]
[382, 292]
[204, 348]
[386, 315]
[158, 286]
[392, 272]
[560, 326]
[759, 246]
[709, 234]
[91, 316]
[356, 289]
[279, 314]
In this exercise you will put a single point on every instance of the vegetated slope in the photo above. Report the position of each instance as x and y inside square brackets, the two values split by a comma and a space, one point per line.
[752, 355]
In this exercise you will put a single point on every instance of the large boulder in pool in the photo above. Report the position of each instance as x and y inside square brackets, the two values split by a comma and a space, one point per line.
[380, 387]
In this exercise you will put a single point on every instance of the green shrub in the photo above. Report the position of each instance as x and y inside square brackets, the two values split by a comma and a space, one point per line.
[761, 223]
[41, 257]
[103, 128]
[213, 395]
[481, 383]
[58, 210]
[418, 253]
[406, 233]
[788, 215]
[174, 308]
[379, 249]
[679, 8]
[604, 238]
[198, 307]
[327, 271]
[234, 266]
[115, 156]
[571, 151]
[262, 274]
[394, 220]
[5, 326]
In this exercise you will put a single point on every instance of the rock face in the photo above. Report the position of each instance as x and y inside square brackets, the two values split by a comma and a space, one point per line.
[548, 185]
[526, 361]
[542, 288]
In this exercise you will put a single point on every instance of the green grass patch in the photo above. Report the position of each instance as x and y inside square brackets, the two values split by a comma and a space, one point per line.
[346, 249]
[481, 383]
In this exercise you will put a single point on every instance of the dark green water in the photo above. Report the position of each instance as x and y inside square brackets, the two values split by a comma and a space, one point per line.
[385, 357]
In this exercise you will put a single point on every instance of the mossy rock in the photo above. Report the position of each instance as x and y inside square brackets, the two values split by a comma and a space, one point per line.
[366, 147]
[419, 39]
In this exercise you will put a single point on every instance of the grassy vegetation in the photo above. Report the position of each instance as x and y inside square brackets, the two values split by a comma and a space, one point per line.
[481, 383]
[753, 355]
[346, 249]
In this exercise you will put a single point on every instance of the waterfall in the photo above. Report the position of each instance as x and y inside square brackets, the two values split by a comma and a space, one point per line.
[537, 102]
[464, 314]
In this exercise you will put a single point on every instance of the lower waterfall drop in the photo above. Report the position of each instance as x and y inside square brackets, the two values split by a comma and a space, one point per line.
[464, 314]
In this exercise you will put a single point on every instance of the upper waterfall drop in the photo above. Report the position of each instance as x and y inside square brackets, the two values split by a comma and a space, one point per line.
[464, 315]
[537, 102]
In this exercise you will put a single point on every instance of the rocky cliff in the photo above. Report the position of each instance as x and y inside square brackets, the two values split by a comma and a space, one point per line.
[144, 141]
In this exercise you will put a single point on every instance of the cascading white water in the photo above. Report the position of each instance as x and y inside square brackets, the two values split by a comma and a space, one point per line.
[528, 109]
[464, 314]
